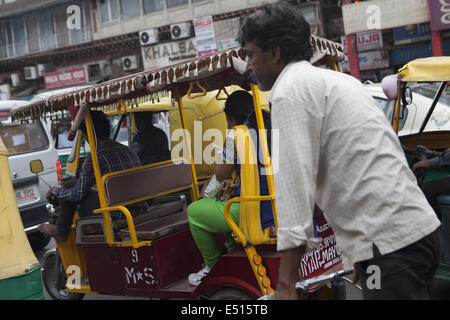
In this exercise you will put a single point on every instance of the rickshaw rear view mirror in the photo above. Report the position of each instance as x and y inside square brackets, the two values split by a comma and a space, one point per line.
[407, 96]
[36, 166]
[389, 85]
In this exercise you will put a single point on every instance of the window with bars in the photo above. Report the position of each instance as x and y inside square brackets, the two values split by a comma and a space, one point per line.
[176, 3]
[153, 6]
[109, 10]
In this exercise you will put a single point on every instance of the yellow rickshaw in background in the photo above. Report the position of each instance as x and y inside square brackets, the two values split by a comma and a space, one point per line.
[428, 77]
[20, 274]
[151, 255]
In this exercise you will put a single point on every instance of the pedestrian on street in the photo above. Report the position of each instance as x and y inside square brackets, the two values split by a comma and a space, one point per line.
[337, 149]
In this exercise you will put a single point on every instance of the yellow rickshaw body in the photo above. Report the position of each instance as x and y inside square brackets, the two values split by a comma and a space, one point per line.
[17, 260]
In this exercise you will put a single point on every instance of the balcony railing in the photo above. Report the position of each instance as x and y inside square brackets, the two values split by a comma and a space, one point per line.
[60, 39]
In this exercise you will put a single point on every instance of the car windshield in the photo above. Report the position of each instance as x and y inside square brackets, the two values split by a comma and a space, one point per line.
[61, 132]
[24, 137]
[440, 118]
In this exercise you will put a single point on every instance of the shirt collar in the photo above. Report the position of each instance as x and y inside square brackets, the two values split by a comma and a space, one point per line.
[281, 75]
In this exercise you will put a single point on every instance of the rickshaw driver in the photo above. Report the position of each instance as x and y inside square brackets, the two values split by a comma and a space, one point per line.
[336, 149]
[112, 156]
[434, 188]
[150, 143]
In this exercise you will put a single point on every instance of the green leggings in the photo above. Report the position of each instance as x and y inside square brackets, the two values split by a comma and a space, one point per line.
[206, 218]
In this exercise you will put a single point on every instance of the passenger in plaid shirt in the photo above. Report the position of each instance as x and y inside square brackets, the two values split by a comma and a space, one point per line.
[112, 156]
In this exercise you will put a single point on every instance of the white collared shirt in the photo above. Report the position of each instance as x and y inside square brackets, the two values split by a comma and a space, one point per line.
[336, 148]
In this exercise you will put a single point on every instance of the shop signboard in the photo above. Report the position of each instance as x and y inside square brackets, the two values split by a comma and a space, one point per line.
[204, 33]
[412, 33]
[369, 60]
[368, 40]
[168, 53]
[65, 78]
[440, 14]
[227, 43]
[383, 14]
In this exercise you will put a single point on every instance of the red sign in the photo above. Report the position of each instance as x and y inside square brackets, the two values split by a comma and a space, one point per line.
[366, 40]
[326, 258]
[63, 79]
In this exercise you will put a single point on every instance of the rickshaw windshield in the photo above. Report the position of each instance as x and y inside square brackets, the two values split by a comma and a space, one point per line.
[440, 118]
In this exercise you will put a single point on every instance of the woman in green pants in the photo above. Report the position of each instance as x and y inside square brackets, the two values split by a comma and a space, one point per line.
[206, 216]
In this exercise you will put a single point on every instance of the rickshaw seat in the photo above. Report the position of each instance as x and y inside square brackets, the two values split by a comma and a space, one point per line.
[156, 211]
[155, 215]
[159, 227]
[136, 185]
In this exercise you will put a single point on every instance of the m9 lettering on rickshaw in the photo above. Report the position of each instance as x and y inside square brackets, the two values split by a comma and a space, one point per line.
[213, 152]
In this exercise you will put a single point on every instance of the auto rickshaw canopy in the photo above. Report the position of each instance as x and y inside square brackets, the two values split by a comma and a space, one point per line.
[207, 73]
[426, 69]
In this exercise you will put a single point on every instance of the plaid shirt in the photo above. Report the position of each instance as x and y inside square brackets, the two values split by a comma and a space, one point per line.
[112, 156]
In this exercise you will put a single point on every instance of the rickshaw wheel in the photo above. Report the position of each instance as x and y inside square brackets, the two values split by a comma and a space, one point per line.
[230, 294]
[50, 274]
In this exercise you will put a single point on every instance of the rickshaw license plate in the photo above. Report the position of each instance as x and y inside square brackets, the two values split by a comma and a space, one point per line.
[26, 193]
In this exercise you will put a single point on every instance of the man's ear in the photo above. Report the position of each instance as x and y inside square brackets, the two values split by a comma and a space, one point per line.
[276, 54]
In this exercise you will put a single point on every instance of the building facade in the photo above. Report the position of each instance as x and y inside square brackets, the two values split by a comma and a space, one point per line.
[48, 44]
[386, 34]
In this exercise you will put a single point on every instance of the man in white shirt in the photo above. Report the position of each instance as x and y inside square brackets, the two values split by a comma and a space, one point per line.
[337, 149]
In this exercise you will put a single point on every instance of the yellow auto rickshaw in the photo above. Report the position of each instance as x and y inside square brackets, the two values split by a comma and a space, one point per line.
[151, 255]
[426, 77]
[20, 276]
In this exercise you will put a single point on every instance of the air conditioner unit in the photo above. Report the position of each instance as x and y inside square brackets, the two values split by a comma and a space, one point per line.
[129, 63]
[30, 73]
[180, 30]
[149, 36]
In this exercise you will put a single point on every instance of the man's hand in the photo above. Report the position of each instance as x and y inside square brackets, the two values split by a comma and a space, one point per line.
[288, 274]
[421, 164]
[51, 197]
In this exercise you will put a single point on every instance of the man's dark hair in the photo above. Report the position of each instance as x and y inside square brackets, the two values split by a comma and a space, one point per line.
[101, 124]
[278, 25]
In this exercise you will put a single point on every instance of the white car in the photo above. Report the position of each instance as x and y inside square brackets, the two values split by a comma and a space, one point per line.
[26, 143]
[415, 113]
[60, 127]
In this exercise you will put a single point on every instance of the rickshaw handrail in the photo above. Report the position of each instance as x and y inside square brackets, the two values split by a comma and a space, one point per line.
[130, 222]
[233, 226]
[191, 87]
